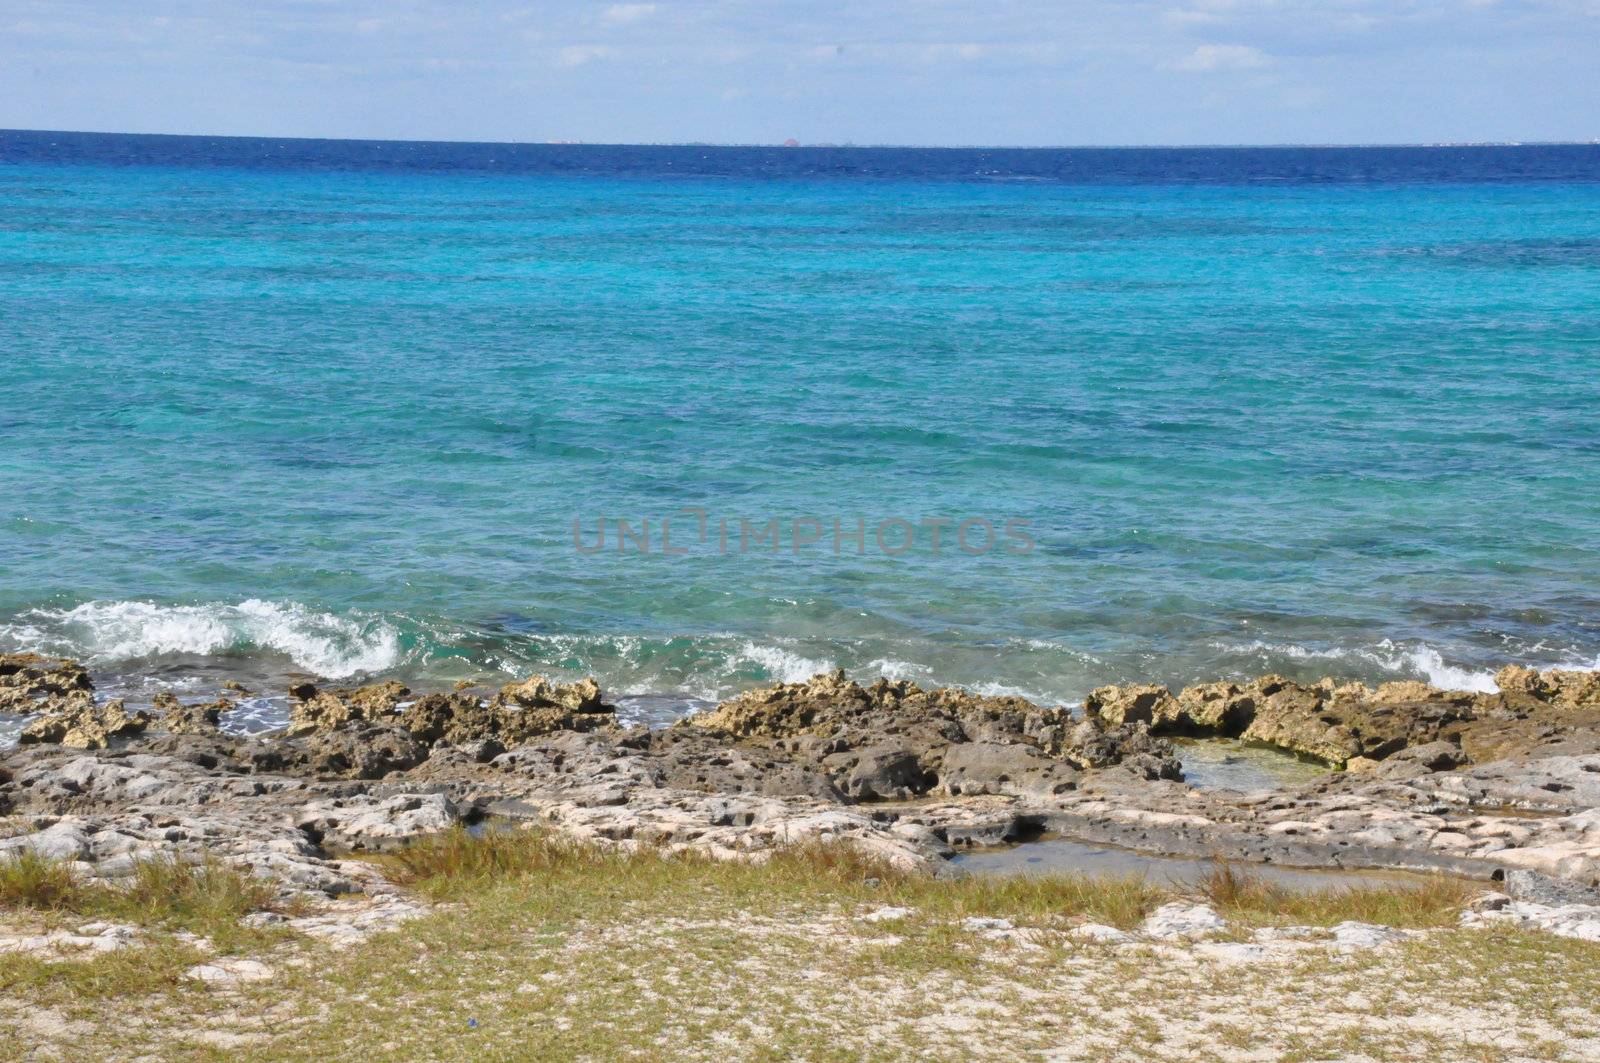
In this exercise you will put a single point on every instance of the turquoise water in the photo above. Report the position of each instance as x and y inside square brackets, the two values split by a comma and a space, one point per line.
[342, 422]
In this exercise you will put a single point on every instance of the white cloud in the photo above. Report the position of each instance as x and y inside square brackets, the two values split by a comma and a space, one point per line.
[1208, 58]
[625, 14]
[579, 54]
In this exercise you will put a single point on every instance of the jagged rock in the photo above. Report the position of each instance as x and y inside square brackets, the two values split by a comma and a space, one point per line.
[364, 751]
[451, 718]
[324, 710]
[31, 683]
[1089, 745]
[891, 740]
[193, 718]
[82, 724]
[1135, 703]
[1340, 723]
[886, 772]
[1559, 687]
[539, 693]
[365, 823]
[518, 713]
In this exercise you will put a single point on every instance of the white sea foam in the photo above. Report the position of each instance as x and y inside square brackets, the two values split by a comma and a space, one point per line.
[890, 668]
[1410, 661]
[781, 665]
[103, 633]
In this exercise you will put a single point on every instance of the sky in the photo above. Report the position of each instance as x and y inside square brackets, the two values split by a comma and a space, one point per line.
[944, 72]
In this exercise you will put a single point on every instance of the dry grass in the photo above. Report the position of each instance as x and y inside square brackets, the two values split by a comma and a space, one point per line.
[456, 864]
[1428, 902]
[555, 950]
[28, 880]
[207, 898]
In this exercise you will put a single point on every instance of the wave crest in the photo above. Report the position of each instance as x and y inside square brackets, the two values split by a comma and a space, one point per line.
[101, 632]
[1406, 661]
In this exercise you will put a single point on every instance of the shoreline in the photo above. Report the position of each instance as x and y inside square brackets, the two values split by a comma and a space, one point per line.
[433, 844]
[909, 773]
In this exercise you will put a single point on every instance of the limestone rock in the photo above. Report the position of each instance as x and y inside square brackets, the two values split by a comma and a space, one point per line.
[1136, 703]
[324, 710]
[31, 683]
[1179, 921]
[999, 744]
[1534, 888]
[193, 718]
[80, 723]
[1003, 768]
[364, 751]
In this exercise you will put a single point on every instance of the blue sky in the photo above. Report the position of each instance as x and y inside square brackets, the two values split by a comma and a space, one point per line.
[896, 71]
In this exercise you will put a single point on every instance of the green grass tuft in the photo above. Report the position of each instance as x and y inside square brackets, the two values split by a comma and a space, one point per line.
[1428, 902]
[28, 880]
[207, 898]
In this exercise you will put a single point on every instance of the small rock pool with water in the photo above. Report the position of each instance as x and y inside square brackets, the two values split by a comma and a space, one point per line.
[1066, 856]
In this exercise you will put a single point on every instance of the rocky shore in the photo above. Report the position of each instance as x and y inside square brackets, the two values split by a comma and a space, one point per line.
[1497, 787]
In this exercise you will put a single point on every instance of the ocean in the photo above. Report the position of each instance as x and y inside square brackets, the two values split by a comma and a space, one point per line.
[1027, 421]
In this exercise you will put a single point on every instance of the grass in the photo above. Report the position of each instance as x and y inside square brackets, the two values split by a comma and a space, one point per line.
[554, 950]
[456, 864]
[1434, 901]
[207, 898]
[28, 880]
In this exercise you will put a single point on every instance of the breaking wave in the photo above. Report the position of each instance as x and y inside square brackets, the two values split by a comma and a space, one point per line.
[134, 644]
[111, 633]
[1413, 660]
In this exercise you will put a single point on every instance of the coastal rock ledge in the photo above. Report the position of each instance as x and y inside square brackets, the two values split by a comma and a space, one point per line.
[1476, 785]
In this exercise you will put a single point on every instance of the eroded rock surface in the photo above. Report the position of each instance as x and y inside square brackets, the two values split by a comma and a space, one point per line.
[31, 683]
[894, 740]
[1350, 724]
[908, 774]
[82, 723]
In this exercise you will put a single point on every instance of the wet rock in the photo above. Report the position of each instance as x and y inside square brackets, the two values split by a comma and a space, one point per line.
[519, 713]
[80, 723]
[192, 718]
[316, 710]
[32, 683]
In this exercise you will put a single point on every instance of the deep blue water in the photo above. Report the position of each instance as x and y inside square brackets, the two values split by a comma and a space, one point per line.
[335, 406]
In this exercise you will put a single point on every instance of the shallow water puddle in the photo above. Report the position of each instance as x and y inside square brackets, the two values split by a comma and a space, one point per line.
[1066, 856]
[1230, 764]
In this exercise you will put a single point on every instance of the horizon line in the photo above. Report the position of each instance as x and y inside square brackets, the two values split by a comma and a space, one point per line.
[827, 145]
